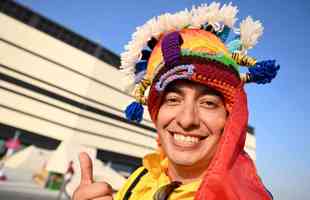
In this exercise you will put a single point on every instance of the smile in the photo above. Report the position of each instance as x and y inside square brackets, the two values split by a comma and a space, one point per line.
[182, 138]
[186, 140]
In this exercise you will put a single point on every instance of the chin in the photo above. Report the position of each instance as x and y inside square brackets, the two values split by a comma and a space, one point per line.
[185, 163]
[183, 160]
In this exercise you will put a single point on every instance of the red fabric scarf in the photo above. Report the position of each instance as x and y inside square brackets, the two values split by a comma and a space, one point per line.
[232, 174]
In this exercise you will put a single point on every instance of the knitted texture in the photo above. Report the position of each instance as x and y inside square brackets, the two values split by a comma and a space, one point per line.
[134, 112]
[264, 71]
[179, 72]
[171, 47]
[186, 40]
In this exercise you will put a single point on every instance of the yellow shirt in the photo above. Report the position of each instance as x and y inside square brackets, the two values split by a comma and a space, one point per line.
[155, 178]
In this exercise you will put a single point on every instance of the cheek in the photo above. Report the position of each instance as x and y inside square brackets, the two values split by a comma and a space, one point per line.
[215, 120]
[212, 146]
[164, 117]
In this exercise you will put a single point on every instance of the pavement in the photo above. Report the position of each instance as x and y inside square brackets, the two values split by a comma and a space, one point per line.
[20, 186]
[25, 191]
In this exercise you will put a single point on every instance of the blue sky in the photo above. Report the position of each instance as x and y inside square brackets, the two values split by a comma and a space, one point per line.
[277, 111]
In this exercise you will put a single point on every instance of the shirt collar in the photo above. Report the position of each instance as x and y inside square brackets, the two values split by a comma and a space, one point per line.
[158, 168]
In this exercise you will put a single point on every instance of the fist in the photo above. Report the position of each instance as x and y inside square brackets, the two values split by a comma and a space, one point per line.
[88, 189]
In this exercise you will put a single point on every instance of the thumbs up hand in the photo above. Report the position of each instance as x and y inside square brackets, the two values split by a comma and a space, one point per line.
[88, 189]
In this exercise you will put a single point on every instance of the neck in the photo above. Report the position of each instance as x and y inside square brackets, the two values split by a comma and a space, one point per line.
[185, 174]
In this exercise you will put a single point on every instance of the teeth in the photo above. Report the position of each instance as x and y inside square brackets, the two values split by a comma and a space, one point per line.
[188, 139]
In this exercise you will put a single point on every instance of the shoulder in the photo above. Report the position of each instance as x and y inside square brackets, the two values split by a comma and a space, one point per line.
[130, 183]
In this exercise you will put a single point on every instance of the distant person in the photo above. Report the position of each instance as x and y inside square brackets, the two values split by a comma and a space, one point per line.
[67, 178]
[197, 102]
[3, 177]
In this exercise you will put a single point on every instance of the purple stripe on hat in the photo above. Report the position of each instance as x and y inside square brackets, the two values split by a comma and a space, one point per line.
[174, 74]
[171, 48]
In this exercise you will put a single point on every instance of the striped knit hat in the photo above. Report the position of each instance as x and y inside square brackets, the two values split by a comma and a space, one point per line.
[192, 45]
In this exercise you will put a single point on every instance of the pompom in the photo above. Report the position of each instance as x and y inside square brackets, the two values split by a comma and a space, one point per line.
[263, 72]
[250, 31]
[180, 19]
[134, 112]
[204, 13]
[213, 13]
[228, 14]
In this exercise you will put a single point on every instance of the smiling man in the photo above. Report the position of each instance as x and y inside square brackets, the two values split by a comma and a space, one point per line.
[197, 102]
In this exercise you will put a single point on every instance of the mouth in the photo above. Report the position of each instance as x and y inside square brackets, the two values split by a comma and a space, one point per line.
[186, 140]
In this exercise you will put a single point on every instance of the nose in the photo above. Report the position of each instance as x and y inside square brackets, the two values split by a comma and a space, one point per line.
[188, 118]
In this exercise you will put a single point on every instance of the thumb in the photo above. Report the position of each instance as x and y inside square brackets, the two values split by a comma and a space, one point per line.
[86, 169]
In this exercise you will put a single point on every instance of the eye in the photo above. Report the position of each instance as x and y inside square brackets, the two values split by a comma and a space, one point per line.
[172, 100]
[210, 102]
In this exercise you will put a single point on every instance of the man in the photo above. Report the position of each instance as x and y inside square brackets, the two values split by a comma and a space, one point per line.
[198, 105]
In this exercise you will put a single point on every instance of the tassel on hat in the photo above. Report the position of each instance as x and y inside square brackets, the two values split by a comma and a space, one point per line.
[134, 112]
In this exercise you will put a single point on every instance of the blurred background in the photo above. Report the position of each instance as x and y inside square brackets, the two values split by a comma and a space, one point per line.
[61, 93]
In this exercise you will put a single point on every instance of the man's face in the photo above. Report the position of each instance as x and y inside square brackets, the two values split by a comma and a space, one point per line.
[189, 123]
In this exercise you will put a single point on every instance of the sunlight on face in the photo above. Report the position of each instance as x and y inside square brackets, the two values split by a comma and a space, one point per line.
[190, 122]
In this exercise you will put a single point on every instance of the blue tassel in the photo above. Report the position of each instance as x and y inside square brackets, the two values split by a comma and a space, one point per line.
[134, 112]
[234, 45]
[140, 66]
[264, 71]
[224, 34]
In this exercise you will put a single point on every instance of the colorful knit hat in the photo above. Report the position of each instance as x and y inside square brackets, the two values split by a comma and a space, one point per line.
[180, 45]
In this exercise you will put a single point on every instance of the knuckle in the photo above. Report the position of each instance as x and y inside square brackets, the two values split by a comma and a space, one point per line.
[106, 187]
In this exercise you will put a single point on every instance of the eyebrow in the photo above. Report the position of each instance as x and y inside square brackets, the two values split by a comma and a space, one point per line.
[205, 90]
[173, 88]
